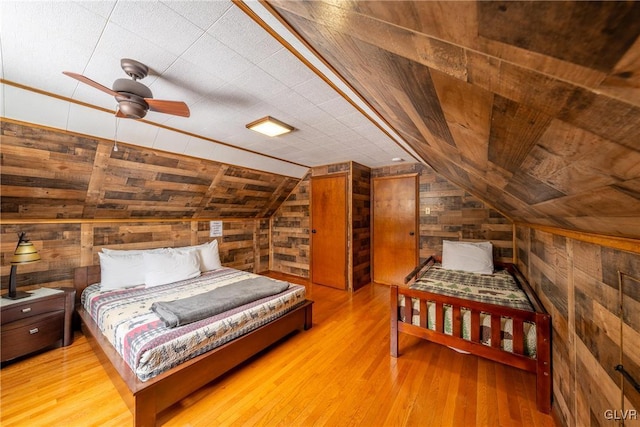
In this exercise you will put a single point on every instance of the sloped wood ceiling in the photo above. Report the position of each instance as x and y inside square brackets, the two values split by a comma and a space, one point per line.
[532, 106]
[49, 174]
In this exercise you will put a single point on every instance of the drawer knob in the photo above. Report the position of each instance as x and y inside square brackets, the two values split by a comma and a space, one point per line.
[33, 331]
[26, 310]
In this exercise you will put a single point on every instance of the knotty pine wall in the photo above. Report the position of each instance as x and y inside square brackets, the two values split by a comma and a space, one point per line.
[578, 284]
[73, 195]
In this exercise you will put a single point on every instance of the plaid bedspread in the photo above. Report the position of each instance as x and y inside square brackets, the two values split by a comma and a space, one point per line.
[499, 288]
[149, 347]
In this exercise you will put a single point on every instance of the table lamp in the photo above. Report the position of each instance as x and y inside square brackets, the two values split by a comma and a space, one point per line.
[25, 253]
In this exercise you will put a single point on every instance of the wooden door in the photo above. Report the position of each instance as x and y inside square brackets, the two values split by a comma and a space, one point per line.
[395, 228]
[329, 230]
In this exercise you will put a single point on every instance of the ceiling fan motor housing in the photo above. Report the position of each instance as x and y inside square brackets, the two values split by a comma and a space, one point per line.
[132, 103]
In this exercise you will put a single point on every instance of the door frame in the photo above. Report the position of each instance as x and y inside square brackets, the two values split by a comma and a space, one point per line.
[346, 236]
[416, 177]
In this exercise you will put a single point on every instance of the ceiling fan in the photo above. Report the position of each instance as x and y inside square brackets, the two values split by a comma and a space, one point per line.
[134, 98]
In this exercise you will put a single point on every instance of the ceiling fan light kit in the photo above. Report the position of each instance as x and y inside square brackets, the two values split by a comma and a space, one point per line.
[134, 98]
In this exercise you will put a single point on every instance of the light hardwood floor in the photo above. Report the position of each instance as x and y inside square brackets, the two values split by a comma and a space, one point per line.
[339, 373]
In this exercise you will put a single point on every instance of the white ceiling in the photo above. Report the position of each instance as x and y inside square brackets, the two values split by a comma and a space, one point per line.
[211, 55]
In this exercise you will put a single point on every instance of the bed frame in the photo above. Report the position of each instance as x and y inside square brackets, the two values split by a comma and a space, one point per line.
[541, 366]
[146, 399]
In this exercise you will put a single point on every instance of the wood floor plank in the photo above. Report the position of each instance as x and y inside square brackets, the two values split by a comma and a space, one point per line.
[339, 373]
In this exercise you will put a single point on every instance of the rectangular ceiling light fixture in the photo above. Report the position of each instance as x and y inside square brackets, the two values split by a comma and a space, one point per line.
[270, 126]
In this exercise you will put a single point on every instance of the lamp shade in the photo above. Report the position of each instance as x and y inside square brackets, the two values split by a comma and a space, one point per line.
[24, 254]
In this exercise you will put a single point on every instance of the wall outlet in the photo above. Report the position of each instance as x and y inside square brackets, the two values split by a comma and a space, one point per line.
[427, 211]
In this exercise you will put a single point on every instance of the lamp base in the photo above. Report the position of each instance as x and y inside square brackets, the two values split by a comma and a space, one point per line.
[18, 295]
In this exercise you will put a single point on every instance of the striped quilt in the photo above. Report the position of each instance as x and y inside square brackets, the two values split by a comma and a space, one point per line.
[149, 347]
[499, 288]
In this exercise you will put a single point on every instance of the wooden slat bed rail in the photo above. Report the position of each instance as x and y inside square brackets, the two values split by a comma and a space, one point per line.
[541, 365]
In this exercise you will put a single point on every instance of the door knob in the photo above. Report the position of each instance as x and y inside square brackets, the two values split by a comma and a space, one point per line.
[411, 233]
[313, 231]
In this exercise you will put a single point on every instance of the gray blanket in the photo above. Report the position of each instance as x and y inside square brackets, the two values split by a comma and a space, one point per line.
[198, 307]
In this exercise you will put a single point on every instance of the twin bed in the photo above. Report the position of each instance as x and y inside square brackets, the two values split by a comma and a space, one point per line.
[154, 359]
[489, 312]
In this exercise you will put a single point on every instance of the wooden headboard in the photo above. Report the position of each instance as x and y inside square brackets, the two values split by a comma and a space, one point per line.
[83, 277]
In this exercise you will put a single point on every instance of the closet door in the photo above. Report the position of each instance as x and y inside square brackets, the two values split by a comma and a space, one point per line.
[329, 230]
[395, 228]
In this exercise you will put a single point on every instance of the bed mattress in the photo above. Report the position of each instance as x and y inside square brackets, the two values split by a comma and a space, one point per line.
[499, 288]
[149, 347]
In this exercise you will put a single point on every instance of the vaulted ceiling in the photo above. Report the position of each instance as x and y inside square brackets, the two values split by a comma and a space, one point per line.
[532, 106]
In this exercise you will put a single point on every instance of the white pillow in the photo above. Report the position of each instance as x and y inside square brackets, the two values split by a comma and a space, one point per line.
[208, 253]
[119, 252]
[121, 271]
[169, 267]
[474, 257]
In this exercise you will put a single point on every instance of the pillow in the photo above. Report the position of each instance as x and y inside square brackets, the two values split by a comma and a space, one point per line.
[121, 271]
[119, 252]
[474, 257]
[208, 253]
[169, 267]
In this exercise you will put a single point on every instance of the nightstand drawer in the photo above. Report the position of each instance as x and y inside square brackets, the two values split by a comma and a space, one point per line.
[31, 334]
[32, 308]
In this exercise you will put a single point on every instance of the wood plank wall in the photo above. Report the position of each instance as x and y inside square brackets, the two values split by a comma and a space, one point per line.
[290, 240]
[358, 217]
[453, 214]
[50, 174]
[64, 246]
[578, 284]
[73, 195]
[360, 225]
[290, 225]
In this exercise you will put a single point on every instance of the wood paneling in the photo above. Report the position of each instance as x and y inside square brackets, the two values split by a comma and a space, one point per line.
[50, 174]
[290, 232]
[578, 283]
[504, 99]
[73, 195]
[64, 246]
[453, 214]
[360, 225]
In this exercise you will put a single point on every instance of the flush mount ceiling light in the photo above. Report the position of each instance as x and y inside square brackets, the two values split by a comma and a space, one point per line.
[269, 126]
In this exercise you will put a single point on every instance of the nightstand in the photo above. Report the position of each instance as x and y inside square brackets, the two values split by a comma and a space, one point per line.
[39, 321]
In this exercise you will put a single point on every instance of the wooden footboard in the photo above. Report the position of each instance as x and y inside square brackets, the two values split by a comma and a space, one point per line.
[147, 399]
[541, 365]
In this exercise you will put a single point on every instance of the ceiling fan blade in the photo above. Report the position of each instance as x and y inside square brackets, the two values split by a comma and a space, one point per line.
[90, 82]
[177, 108]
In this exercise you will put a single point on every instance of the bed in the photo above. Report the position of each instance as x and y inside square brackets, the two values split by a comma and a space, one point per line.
[155, 363]
[496, 316]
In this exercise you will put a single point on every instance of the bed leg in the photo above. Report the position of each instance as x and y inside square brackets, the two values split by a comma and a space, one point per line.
[308, 317]
[394, 321]
[544, 385]
[144, 412]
